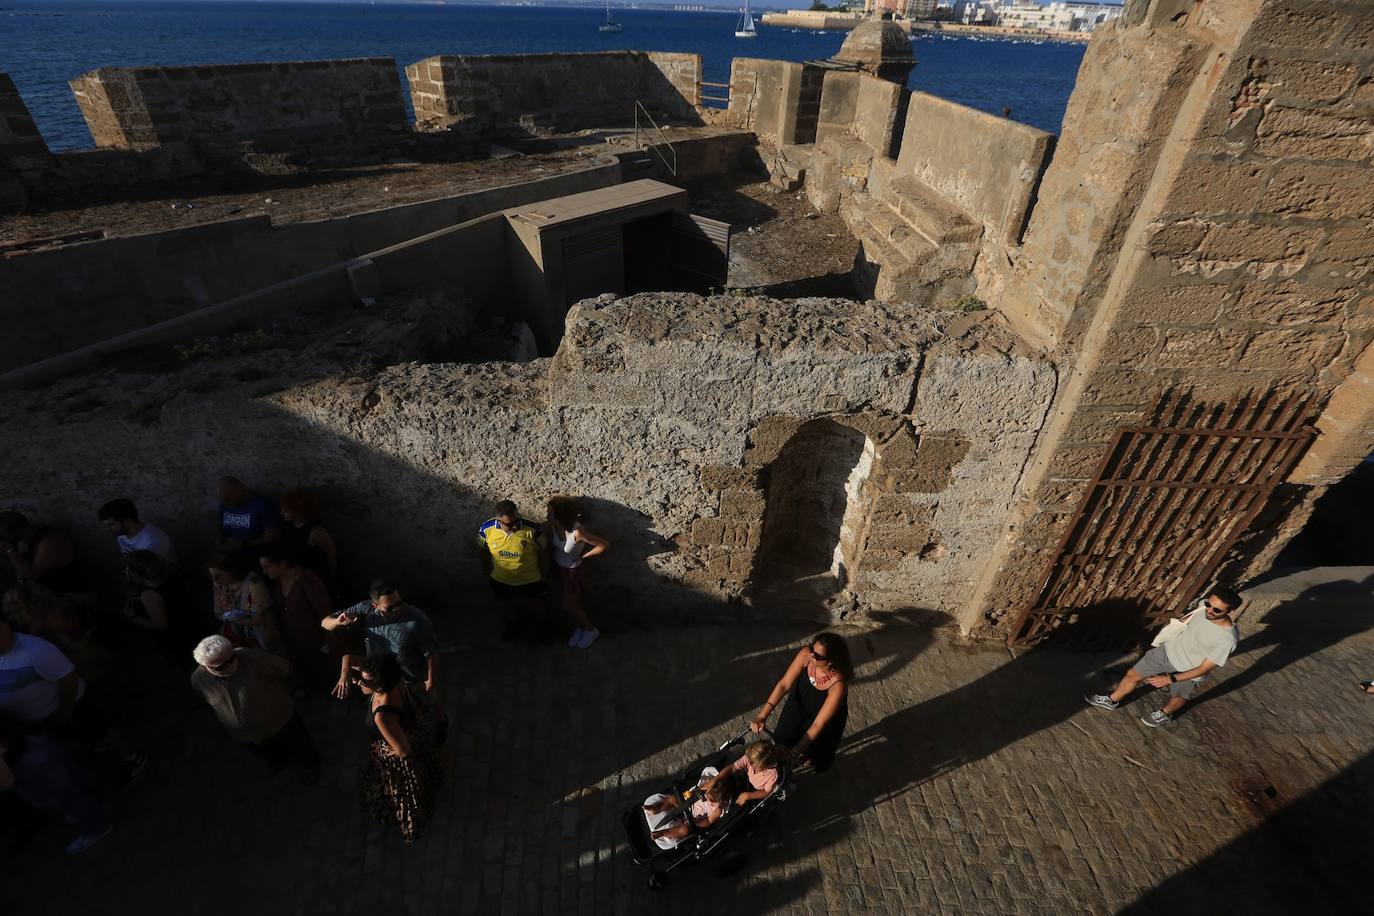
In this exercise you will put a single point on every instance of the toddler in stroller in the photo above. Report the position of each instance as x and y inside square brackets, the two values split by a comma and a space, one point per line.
[713, 798]
[760, 765]
[663, 837]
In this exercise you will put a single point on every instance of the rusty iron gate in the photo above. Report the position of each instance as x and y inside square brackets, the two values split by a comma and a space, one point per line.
[1169, 500]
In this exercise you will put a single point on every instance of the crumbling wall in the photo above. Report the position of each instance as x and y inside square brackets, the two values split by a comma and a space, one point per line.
[311, 104]
[1203, 228]
[544, 93]
[663, 411]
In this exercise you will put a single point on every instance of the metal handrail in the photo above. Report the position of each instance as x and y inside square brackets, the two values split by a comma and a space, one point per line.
[672, 166]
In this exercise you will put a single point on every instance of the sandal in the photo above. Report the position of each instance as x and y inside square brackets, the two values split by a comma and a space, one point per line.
[1365, 686]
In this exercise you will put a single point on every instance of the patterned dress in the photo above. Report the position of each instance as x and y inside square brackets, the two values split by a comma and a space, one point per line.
[401, 790]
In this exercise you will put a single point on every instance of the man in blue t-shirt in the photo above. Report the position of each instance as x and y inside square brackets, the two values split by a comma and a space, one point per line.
[389, 626]
[247, 520]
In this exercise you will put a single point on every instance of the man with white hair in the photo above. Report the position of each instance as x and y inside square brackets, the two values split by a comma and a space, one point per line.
[248, 690]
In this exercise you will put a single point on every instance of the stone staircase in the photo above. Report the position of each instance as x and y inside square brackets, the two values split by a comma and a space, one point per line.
[914, 245]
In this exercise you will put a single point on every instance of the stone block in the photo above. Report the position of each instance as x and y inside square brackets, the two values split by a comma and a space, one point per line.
[717, 477]
[741, 505]
[1099, 424]
[904, 538]
[1310, 80]
[1354, 241]
[1128, 346]
[1298, 26]
[708, 532]
[1117, 387]
[1287, 348]
[1214, 186]
[767, 439]
[1320, 192]
[1290, 302]
[901, 509]
[1212, 348]
[1240, 243]
[1076, 462]
[1177, 239]
[1198, 303]
[1285, 132]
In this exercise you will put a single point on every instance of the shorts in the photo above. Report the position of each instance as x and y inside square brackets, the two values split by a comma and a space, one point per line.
[507, 592]
[1156, 661]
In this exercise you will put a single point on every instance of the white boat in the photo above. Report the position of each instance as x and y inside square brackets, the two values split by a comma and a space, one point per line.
[746, 28]
[609, 26]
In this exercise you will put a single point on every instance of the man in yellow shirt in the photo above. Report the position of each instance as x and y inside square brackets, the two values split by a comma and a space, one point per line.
[514, 554]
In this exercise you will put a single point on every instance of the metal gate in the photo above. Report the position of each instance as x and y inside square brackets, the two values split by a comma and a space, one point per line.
[1169, 500]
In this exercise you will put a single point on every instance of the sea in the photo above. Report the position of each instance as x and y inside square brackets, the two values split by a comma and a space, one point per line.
[45, 43]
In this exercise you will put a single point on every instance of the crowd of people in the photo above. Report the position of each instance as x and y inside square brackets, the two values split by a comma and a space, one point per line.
[256, 632]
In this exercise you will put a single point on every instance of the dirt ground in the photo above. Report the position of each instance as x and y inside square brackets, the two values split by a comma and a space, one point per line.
[780, 246]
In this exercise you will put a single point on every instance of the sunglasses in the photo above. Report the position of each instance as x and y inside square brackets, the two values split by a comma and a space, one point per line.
[819, 657]
[364, 682]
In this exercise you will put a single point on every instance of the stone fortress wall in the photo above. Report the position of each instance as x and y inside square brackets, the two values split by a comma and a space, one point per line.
[533, 93]
[1201, 223]
[164, 123]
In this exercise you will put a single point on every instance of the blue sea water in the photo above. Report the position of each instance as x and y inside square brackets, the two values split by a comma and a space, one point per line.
[45, 44]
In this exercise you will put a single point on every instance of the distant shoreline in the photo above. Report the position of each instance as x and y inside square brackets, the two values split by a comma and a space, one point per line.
[840, 22]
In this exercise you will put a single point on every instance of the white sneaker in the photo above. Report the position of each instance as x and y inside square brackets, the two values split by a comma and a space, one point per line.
[576, 638]
[588, 637]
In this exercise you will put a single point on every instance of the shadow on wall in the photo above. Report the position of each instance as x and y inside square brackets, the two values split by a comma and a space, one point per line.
[1311, 857]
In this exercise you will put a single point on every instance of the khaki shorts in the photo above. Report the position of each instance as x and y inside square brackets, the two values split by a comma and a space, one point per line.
[1156, 661]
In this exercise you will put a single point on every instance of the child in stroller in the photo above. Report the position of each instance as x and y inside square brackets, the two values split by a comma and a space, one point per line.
[713, 797]
[699, 842]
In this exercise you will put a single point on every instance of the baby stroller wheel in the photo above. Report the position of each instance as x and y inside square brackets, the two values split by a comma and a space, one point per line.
[657, 882]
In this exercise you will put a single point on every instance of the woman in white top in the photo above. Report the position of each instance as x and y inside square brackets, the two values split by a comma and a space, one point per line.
[572, 546]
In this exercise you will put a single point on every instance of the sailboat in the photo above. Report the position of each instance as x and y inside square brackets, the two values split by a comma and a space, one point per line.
[610, 27]
[745, 28]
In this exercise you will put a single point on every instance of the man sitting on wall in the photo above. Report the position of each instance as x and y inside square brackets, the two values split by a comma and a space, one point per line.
[1181, 659]
[247, 521]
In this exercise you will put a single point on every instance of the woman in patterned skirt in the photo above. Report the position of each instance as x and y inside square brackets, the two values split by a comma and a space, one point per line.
[403, 769]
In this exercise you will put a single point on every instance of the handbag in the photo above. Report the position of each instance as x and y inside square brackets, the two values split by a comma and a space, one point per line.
[1172, 629]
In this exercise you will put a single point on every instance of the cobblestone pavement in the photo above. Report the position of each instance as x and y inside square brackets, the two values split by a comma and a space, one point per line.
[970, 782]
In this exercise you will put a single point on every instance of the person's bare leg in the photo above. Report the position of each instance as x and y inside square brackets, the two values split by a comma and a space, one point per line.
[1173, 706]
[680, 832]
[572, 604]
[1126, 685]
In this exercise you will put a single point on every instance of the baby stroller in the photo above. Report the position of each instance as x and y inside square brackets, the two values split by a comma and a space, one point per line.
[704, 842]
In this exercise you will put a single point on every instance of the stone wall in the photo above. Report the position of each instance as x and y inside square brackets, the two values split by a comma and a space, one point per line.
[545, 93]
[987, 166]
[703, 395]
[779, 101]
[22, 150]
[1202, 228]
[297, 102]
[115, 286]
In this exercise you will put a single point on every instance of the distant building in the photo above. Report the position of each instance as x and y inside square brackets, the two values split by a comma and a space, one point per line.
[920, 9]
[1057, 17]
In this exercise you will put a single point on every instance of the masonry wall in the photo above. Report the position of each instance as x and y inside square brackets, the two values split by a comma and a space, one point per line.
[22, 150]
[534, 93]
[779, 101]
[298, 102]
[404, 455]
[106, 288]
[1202, 227]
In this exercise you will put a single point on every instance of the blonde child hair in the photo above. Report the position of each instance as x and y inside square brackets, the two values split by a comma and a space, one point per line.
[763, 754]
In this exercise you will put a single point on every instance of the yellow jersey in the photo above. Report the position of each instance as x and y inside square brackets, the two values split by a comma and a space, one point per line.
[514, 554]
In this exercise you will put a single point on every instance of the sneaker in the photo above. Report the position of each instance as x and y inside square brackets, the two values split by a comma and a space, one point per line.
[130, 769]
[1157, 718]
[82, 843]
[1101, 701]
[575, 638]
[588, 637]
